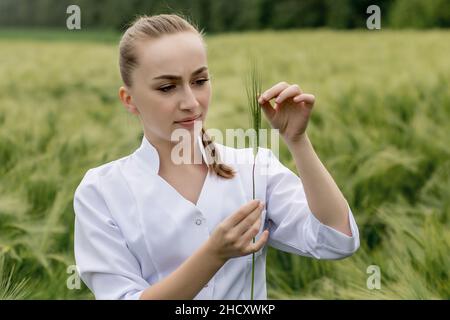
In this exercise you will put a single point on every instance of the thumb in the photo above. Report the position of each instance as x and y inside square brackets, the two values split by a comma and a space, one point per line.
[269, 111]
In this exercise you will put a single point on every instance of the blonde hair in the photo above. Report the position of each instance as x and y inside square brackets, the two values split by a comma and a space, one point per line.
[148, 27]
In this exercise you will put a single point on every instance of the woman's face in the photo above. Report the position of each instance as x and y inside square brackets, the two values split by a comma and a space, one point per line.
[170, 83]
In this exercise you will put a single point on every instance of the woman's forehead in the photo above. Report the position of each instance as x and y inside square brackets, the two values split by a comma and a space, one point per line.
[172, 54]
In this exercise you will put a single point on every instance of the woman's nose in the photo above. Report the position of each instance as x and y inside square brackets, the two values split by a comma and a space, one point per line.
[189, 100]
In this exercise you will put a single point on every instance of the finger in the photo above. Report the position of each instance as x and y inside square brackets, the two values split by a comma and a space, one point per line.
[307, 98]
[243, 212]
[262, 240]
[246, 223]
[254, 247]
[252, 231]
[269, 111]
[289, 92]
[272, 92]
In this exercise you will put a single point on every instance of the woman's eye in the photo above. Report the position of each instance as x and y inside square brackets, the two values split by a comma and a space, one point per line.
[202, 81]
[166, 89]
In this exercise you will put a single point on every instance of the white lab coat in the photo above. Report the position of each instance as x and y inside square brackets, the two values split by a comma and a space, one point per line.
[132, 228]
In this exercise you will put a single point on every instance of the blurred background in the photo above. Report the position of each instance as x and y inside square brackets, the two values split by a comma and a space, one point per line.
[232, 15]
[381, 127]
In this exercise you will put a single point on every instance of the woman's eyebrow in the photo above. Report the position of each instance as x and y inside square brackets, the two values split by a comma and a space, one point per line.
[173, 77]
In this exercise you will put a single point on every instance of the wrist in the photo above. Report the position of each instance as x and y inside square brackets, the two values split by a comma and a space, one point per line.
[212, 255]
[295, 142]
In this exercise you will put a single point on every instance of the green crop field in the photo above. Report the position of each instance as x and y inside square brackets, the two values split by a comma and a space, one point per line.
[381, 126]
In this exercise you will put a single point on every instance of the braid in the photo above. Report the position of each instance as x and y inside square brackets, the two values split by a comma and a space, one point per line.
[213, 158]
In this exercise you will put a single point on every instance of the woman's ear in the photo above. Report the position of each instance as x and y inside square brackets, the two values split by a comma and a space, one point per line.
[127, 101]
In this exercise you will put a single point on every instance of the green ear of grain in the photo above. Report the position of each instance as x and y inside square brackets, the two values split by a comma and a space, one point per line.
[10, 287]
[253, 88]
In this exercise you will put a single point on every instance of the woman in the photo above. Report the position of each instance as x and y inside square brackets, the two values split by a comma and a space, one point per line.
[150, 228]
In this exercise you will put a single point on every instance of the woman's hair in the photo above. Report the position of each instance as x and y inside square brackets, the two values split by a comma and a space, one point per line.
[152, 27]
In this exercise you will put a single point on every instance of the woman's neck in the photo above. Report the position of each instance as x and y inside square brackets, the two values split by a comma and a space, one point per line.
[177, 154]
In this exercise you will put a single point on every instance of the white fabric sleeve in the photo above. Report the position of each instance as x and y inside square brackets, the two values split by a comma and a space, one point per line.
[104, 262]
[293, 227]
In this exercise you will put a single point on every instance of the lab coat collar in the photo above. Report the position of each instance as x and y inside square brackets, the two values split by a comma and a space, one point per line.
[148, 157]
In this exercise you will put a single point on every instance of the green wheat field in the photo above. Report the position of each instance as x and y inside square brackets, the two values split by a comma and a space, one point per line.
[381, 126]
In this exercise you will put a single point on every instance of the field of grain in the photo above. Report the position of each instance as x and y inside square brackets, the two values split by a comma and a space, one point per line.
[381, 126]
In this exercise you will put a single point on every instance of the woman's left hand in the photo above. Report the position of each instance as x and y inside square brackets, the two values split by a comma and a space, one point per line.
[291, 112]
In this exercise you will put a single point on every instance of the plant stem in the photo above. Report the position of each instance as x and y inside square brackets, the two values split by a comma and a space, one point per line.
[253, 92]
[253, 254]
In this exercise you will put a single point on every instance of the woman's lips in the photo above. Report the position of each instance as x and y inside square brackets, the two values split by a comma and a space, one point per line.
[189, 123]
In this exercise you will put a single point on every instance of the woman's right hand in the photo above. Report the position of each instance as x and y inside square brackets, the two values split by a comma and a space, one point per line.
[233, 236]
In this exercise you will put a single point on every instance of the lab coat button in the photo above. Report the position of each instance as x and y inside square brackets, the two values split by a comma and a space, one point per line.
[198, 222]
[206, 285]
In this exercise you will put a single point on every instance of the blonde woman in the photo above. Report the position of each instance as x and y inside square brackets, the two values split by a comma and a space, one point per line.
[147, 227]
